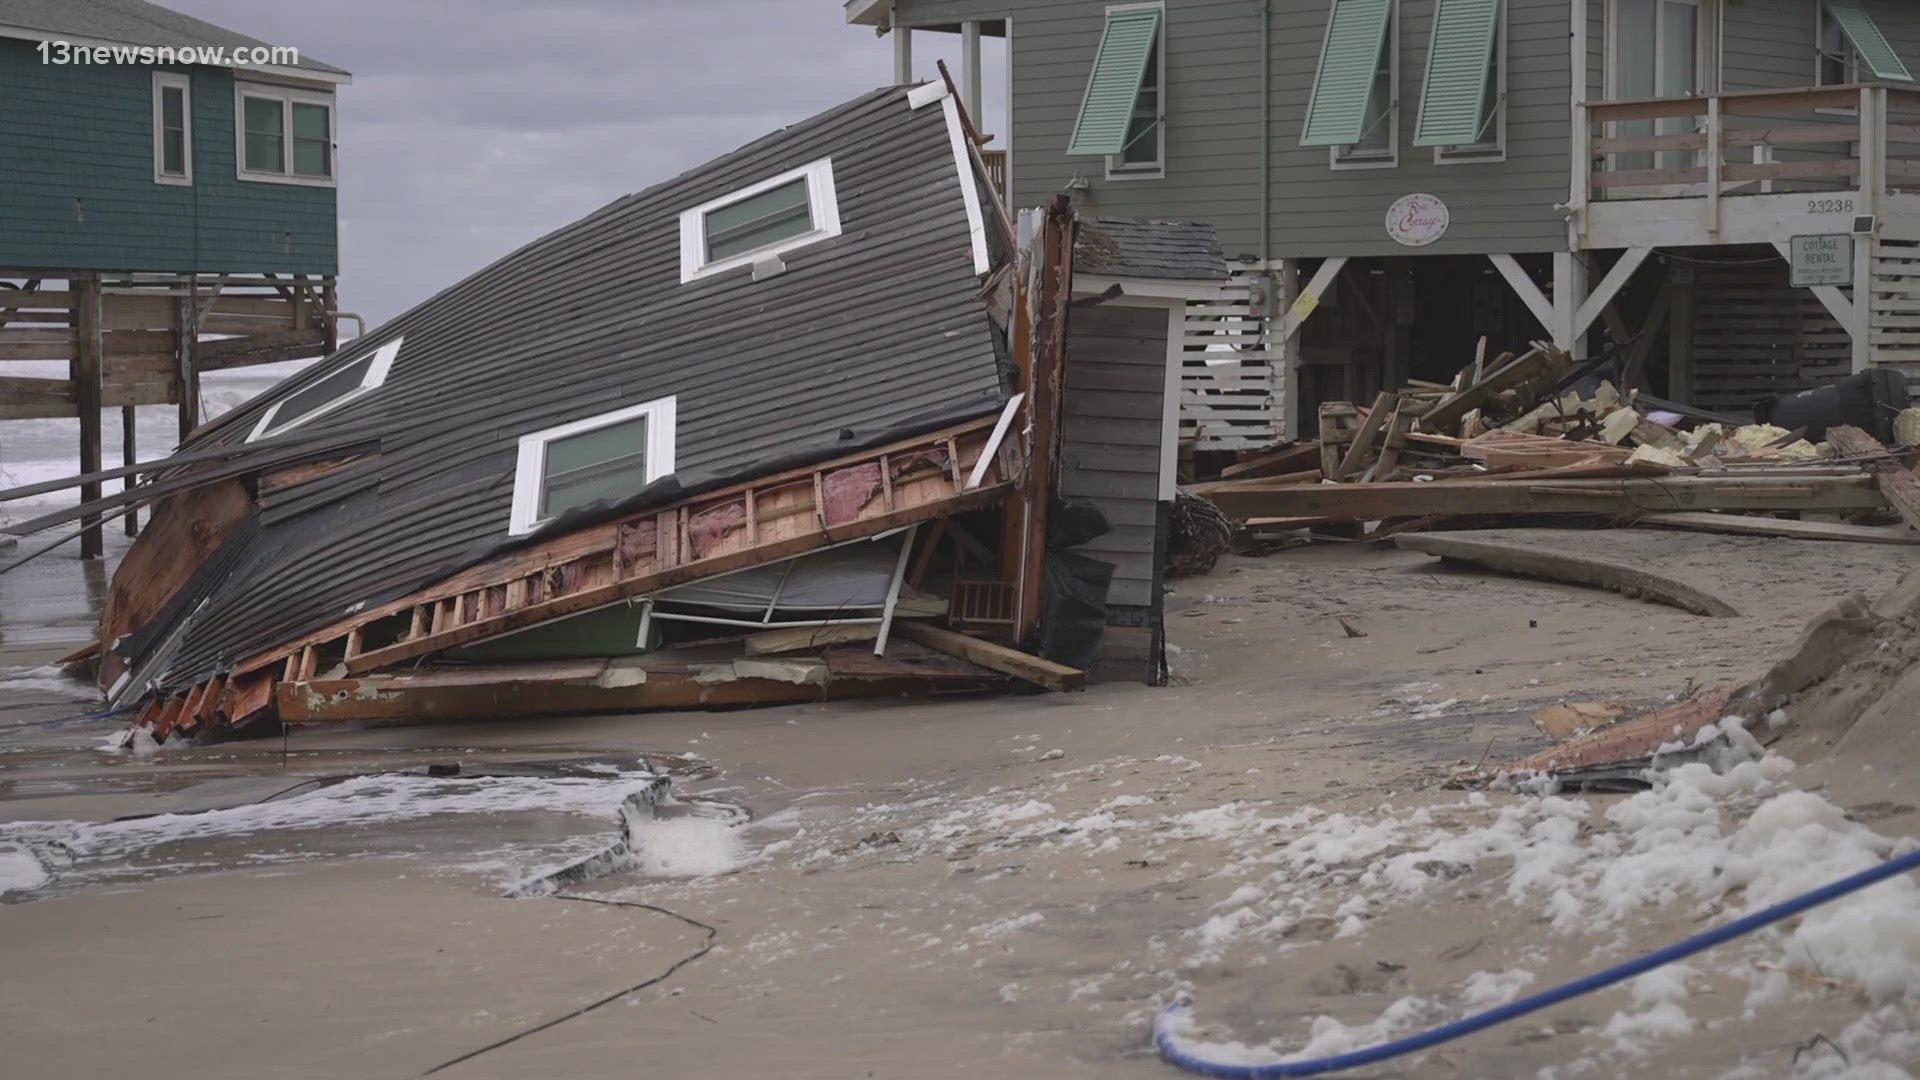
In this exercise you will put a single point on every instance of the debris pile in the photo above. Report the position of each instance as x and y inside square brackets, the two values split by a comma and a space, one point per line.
[1536, 434]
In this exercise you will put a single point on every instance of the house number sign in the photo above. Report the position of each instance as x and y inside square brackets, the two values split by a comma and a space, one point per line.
[1417, 220]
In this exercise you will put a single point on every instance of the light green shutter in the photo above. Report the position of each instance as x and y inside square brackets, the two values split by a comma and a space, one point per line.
[1114, 85]
[1875, 52]
[1350, 58]
[1453, 105]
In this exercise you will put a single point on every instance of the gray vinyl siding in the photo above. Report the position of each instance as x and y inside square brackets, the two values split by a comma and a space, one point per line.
[1770, 44]
[1213, 95]
[1213, 115]
[1505, 206]
[1110, 437]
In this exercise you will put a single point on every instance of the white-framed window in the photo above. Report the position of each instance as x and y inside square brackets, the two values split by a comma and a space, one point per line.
[606, 457]
[282, 135]
[1379, 145]
[796, 208]
[1143, 156]
[1492, 146]
[350, 381]
[172, 128]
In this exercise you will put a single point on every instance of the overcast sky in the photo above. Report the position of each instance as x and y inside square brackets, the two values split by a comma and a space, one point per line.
[472, 127]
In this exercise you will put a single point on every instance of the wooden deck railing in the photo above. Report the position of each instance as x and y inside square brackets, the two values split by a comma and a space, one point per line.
[996, 163]
[1844, 138]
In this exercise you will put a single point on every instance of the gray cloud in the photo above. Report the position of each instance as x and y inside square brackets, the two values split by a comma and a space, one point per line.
[471, 128]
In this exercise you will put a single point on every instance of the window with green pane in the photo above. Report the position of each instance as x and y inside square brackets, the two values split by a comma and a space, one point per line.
[1142, 149]
[266, 143]
[312, 140]
[602, 463]
[173, 130]
[759, 221]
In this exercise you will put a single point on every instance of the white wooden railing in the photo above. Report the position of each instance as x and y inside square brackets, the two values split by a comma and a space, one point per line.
[1844, 138]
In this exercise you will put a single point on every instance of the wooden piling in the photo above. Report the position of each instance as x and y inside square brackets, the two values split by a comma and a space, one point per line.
[86, 371]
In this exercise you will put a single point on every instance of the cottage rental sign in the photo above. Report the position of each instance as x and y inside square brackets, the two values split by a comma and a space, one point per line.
[1822, 260]
[1417, 220]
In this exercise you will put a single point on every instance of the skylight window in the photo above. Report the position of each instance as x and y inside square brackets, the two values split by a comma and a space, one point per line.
[778, 214]
[349, 382]
[602, 458]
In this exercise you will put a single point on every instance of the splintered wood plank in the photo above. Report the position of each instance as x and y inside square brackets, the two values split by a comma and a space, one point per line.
[1362, 444]
[1750, 525]
[1371, 502]
[997, 657]
[1897, 482]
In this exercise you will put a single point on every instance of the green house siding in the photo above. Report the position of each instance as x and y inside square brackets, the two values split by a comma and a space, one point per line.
[77, 188]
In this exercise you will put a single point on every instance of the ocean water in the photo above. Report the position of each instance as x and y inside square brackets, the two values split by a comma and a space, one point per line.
[53, 600]
[47, 449]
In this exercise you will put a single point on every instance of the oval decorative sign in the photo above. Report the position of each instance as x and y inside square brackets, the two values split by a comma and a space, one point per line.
[1417, 220]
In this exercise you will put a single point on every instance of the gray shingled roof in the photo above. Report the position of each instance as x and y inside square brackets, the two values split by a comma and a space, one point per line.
[131, 22]
[1167, 250]
[874, 334]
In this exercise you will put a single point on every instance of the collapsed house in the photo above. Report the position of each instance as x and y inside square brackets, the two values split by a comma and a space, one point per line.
[795, 424]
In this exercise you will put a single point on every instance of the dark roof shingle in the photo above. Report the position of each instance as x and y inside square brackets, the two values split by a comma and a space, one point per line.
[863, 336]
[1166, 250]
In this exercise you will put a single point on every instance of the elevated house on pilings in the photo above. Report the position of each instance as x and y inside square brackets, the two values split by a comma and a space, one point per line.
[1395, 179]
[167, 207]
[809, 420]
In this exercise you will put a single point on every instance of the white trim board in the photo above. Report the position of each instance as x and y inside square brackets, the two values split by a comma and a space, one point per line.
[969, 185]
[287, 96]
[181, 81]
[376, 375]
[823, 208]
[532, 459]
[1527, 288]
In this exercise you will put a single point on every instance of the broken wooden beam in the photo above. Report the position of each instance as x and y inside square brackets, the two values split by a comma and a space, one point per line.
[1274, 463]
[796, 638]
[1750, 525]
[1537, 562]
[1368, 502]
[998, 657]
[1531, 365]
[1895, 480]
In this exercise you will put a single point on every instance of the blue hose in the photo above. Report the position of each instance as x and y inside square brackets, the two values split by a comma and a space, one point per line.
[1163, 1036]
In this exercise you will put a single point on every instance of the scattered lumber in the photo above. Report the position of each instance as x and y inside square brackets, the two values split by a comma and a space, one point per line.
[998, 657]
[1275, 463]
[1894, 479]
[1508, 373]
[1749, 525]
[1531, 561]
[1632, 497]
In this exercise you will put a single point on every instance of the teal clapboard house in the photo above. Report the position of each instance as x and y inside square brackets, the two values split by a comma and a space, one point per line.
[169, 204]
[123, 149]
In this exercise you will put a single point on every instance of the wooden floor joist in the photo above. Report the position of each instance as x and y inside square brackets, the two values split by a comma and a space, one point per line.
[751, 524]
